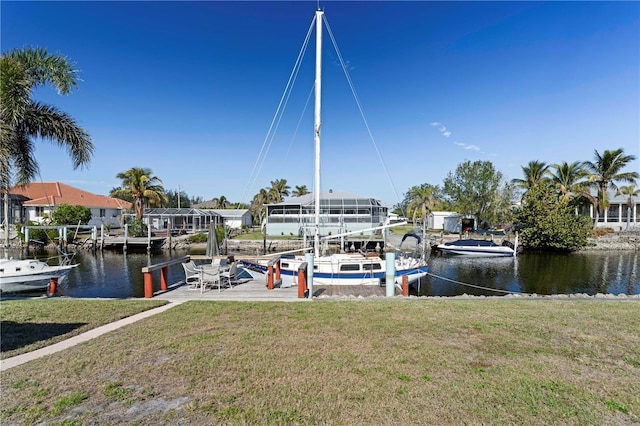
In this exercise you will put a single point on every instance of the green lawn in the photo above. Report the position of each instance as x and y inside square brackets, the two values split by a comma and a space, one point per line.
[28, 325]
[346, 362]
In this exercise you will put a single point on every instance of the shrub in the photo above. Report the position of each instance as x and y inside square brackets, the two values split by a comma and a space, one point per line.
[66, 214]
[549, 224]
[198, 238]
[137, 228]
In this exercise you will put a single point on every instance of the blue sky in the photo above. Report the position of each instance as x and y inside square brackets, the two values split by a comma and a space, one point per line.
[189, 89]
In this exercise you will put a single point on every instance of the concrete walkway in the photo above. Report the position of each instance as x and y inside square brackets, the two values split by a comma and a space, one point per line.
[8, 363]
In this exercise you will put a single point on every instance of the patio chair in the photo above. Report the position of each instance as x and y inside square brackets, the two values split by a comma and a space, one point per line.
[191, 274]
[227, 277]
[209, 277]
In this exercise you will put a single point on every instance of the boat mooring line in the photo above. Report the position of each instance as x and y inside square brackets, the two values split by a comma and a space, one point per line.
[475, 286]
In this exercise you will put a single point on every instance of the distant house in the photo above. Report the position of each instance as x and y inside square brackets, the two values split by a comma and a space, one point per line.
[35, 201]
[339, 212]
[187, 219]
[231, 218]
[235, 218]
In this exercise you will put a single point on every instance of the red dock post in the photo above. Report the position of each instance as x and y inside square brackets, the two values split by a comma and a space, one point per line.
[270, 277]
[278, 269]
[53, 286]
[405, 285]
[148, 285]
[302, 280]
[164, 277]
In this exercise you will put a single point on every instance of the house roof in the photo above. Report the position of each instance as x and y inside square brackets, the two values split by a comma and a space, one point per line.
[309, 199]
[56, 193]
[171, 211]
[231, 213]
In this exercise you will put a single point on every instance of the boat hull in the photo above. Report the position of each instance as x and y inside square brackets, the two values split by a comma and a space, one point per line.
[477, 248]
[19, 276]
[328, 270]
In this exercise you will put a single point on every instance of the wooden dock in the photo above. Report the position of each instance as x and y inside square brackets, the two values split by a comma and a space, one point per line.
[133, 242]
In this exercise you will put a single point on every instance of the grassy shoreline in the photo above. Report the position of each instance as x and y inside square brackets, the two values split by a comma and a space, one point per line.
[343, 362]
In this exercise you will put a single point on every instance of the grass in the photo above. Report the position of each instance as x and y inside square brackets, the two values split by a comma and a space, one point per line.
[28, 325]
[346, 362]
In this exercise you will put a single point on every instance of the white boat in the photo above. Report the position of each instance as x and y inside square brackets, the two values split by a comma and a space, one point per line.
[479, 248]
[343, 268]
[30, 275]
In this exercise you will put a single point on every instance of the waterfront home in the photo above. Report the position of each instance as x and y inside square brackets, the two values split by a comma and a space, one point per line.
[339, 212]
[36, 201]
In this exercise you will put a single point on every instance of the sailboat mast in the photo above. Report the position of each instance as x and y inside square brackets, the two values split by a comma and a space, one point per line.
[316, 126]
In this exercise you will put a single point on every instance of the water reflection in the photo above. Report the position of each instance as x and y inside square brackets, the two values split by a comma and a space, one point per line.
[542, 273]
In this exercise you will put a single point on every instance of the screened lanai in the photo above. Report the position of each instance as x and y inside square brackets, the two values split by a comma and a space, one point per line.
[180, 220]
[339, 212]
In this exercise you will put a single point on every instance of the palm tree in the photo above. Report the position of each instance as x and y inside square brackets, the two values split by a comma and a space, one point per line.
[568, 179]
[423, 199]
[630, 191]
[23, 119]
[604, 172]
[220, 202]
[300, 191]
[534, 173]
[257, 204]
[279, 189]
[143, 187]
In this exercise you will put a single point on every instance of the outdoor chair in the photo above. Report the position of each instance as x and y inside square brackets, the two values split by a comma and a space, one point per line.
[191, 274]
[227, 277]
[209, 277]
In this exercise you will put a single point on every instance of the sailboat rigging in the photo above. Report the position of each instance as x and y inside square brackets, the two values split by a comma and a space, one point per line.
[340, 268]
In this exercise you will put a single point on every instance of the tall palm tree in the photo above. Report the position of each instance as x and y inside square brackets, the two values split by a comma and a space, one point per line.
[279, 189]
[23, 119]
[143, 187]
[423, 199]
[629, 191]
[604, 172]
[569, 179]
[300, 191]
[534, 173]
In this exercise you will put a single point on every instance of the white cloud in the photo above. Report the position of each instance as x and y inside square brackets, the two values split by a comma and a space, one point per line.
[446, 133]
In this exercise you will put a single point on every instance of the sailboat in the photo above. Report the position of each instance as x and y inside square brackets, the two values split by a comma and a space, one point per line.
[340, 268]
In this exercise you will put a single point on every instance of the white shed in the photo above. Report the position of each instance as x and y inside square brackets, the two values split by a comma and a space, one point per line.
[449, 221]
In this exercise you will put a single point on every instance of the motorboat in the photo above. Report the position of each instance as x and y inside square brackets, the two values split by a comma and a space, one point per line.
[341, 268]
[31, 275]
[476, 247]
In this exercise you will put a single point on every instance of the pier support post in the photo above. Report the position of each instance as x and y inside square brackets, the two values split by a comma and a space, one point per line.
[164, 277]
[308, 257]
[148, 285]
[53, 286]
[270, 277]
[302, 279]
[126, 236]
[391, 274]
[405, 285]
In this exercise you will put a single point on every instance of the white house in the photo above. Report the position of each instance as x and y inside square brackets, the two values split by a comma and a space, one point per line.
[35, 201]
[234, 218]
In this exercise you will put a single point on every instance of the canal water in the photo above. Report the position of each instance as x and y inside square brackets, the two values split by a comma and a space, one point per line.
[112, 274]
